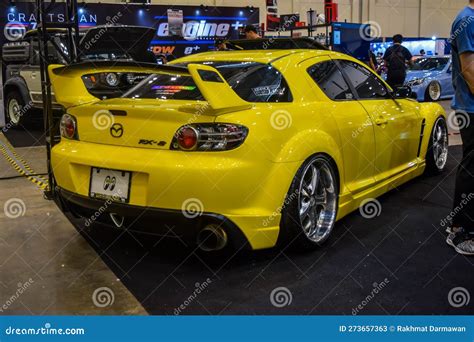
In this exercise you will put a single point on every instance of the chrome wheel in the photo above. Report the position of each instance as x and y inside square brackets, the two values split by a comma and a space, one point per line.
[440, 143]
[434, 90]
[317, 200]
[14, 111]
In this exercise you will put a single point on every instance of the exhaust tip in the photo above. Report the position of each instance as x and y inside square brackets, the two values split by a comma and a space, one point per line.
[212, 238]
[117, 220]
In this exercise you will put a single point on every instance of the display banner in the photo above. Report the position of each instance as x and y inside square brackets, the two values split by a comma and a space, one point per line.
[180, 30]
[238, 328]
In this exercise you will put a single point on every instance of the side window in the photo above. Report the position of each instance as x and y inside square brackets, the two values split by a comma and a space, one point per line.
[331, 81]
[367, 85]
[53, 54]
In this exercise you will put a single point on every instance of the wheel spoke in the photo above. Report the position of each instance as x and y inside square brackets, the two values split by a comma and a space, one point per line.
[317, 201]
[314, 179]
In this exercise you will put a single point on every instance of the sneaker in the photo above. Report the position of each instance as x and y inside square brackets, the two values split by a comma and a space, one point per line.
[462, 242]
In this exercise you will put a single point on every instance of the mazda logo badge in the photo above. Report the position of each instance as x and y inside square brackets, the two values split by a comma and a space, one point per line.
[116, 130]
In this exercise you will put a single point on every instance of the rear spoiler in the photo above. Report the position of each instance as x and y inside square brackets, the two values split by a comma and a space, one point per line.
[70, 90]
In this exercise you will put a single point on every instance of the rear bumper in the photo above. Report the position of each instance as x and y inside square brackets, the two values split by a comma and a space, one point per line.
[245, 191]
[153, 221]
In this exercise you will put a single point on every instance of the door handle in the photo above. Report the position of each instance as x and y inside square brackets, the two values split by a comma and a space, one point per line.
[33, 74]
[381, 120]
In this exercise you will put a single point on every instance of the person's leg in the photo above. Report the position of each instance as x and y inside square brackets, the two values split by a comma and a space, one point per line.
[463, 208]
[396, 79]
[462, 231]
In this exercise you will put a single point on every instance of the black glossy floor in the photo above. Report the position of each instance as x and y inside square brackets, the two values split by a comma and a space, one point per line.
[404, 249]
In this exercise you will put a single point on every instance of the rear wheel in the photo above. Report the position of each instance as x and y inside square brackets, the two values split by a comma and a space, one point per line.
[310, 210]
[15, 108]
[437, 155]
[433, 91]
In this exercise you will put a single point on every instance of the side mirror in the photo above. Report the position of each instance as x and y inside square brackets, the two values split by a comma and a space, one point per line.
[403, 93]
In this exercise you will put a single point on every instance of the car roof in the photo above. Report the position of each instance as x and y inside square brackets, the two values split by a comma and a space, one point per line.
[258, 56]
[285, 43]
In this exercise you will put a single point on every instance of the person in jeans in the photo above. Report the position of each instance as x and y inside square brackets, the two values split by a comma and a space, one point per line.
[461, 233]
[396, 58]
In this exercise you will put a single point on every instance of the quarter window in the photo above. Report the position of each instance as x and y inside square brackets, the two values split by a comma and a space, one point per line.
[331, 81]
[367, 85]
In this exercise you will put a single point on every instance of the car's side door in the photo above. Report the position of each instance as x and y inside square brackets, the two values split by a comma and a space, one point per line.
[397, 121]
[355, 127]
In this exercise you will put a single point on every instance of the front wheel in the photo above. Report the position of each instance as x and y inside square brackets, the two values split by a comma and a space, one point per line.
[311, 205]
[433, 92]
[437, 154]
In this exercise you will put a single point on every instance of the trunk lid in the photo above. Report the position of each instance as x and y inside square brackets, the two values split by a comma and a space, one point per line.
[144, 123]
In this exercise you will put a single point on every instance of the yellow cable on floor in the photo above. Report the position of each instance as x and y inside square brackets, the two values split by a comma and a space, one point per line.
[21, 165]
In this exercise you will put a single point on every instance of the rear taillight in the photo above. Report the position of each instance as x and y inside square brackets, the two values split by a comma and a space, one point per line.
[209, 137]
[187, 138]
[68, 126]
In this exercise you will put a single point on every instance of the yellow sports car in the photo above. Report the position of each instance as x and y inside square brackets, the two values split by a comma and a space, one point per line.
[257, 147]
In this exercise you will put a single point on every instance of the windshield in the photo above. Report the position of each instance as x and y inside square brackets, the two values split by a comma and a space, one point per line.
[430, 64]
[253, 82]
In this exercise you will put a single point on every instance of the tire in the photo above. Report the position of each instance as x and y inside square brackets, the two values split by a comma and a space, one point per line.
[15, 108]
[433, 91]
[437, 154]
[308, 229]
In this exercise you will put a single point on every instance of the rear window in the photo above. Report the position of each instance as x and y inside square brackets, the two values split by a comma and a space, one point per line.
[166, 87]
[253, 82]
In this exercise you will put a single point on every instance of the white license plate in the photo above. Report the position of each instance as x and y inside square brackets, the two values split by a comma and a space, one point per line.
[110, 184]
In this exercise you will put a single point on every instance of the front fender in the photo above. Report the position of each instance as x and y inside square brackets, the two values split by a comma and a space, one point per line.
[18, 83]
